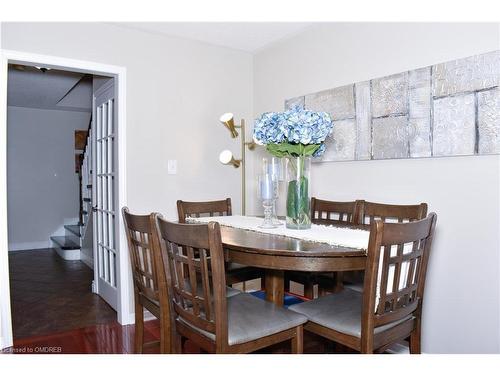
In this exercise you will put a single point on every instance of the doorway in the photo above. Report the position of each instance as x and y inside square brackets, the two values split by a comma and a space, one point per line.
[116, 251]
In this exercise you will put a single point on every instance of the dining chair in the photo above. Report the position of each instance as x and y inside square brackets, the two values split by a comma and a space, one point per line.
[390, 307]
[150, 285]
[193, 255]
[235, 272]
[368, 211]
[332, 212]
[325, 213]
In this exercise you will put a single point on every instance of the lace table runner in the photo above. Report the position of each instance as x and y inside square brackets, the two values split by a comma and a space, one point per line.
[336, 236]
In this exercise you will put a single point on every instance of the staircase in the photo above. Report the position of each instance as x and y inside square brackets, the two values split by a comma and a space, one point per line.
[69, 246]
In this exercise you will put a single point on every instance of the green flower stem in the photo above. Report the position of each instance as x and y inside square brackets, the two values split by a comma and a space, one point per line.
[298, 215]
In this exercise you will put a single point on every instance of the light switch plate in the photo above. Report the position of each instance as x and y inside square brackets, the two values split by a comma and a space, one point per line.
[172, 166]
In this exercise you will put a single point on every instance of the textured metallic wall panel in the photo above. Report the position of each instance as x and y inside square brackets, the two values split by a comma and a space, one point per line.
[470, 74]
[489, 121]
[363, 121]
[454, 130]
[338, 102]
[342, 144]
[390, 137]
[419, 112]
[389, 95]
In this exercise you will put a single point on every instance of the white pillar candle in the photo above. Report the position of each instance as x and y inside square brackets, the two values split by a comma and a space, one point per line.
[266, 186]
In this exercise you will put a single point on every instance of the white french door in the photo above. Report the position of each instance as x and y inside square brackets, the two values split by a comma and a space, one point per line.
[104, 197]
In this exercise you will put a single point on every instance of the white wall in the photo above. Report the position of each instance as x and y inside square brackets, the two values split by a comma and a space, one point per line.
[176, 91]
[42, 185]
[461, 308]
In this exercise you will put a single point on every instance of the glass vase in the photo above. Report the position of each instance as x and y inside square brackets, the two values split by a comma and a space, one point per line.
[298, 170]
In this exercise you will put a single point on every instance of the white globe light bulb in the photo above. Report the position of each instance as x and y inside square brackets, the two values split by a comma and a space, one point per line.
[226, 117]
[225, 157]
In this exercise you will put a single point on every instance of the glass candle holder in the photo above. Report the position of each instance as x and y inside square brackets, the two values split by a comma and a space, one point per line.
[268, 194]
[274, 166]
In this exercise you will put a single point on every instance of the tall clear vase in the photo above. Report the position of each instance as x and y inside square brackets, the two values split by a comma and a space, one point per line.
[298, 174]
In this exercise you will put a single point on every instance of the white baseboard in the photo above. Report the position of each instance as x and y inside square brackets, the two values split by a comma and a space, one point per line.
[19, 246]
[68, 254]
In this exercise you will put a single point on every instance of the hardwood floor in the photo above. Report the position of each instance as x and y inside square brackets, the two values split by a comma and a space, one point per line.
[115, 339]
[55, 312]
[50, 295]
[109, 338]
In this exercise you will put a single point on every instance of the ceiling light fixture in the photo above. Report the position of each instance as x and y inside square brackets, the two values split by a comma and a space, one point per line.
[43, 69]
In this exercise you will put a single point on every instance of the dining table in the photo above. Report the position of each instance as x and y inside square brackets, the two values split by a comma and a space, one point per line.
[277, 254]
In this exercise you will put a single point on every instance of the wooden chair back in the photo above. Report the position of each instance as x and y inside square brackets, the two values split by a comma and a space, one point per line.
[331, 212]
[398, 254]
[368, 211]
[197, 209]
[194, 259]
[147, 270]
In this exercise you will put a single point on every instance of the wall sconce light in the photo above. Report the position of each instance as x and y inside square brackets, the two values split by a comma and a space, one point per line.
[226, 157]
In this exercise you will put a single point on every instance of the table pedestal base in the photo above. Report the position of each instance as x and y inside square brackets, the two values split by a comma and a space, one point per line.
[275, 286]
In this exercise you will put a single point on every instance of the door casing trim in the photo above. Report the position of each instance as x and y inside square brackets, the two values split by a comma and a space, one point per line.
[124, 280]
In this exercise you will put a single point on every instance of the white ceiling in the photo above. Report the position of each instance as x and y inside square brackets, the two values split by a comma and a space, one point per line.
[54, 89]
[246, 36]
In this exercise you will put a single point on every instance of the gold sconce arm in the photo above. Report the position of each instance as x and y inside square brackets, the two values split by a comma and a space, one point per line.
[251, 145]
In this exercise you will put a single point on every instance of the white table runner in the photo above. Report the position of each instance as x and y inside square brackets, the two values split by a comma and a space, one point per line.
[336, 236]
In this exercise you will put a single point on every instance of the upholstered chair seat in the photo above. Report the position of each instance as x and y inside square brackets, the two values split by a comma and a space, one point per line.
[250, 318]
[357, 287]
[340, 312]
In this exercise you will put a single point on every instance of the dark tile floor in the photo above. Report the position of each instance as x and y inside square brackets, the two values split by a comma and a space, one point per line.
[51, 295]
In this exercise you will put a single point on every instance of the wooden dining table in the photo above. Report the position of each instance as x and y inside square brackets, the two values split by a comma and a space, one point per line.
[277, 254]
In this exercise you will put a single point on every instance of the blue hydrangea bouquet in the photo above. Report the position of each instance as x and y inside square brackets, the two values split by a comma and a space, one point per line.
[296, 134]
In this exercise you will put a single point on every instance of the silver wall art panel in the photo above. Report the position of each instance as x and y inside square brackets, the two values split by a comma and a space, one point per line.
[363, 121]
[470, 74]
[390, 137]
[488, 103]
[390, 95]
[454, 130]
[419, 112]
[446, 109]
[419, 137]
[342, 144]
[338, 102]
